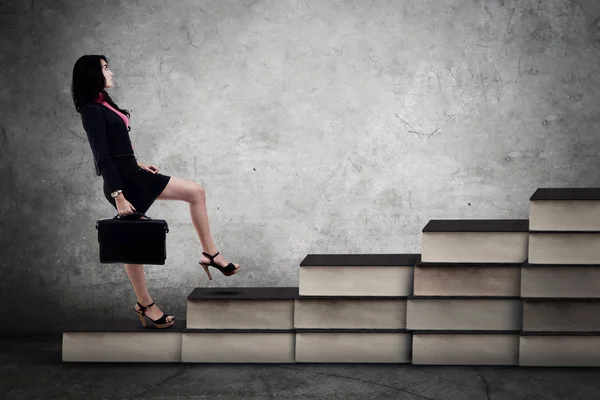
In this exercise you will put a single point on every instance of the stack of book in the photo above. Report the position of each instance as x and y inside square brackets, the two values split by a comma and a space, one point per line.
[240, 325]
[561, 280]
[352, 308]
[466, 307]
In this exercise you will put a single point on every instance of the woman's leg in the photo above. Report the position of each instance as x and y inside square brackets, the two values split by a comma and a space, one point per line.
[195, 195]
[136, 275]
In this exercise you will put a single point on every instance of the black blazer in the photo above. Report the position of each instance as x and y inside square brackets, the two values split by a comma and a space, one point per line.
[108, 136]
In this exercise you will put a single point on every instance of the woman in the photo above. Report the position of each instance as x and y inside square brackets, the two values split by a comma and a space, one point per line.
[130, 186]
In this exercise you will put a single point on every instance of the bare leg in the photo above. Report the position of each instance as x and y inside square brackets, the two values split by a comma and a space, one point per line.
[194, 194]
[136, 275]
[199, 216]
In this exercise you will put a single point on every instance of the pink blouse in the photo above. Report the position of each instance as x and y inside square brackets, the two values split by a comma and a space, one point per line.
[100, 100]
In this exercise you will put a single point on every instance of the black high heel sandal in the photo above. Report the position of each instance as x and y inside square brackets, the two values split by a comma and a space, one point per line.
[229, 270]
[159, 323]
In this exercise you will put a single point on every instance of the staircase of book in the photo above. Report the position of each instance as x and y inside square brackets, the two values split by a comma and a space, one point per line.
[481, 292]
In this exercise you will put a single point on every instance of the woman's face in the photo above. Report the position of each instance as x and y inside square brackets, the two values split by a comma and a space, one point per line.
[108, 75]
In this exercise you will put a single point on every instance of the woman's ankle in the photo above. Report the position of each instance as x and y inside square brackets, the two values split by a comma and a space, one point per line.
[145, 301]
[212, 252]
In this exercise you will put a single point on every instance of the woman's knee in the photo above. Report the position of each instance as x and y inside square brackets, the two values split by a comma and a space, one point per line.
[199, 192]
[181, 189]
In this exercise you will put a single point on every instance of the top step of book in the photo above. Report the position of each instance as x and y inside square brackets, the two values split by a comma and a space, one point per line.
[475, 241]
[241, 308]
[243, 293]
[359, 260]
[566, 194]
[357, 274]
[477, 225]
[565, 210]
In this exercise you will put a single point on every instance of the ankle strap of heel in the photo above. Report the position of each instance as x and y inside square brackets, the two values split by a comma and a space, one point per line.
[144, 308]
[212, 258]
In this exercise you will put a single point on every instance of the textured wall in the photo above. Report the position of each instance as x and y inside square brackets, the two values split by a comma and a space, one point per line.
[315, 127]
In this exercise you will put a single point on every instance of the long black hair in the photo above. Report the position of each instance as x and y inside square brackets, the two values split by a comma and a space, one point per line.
[88, 82]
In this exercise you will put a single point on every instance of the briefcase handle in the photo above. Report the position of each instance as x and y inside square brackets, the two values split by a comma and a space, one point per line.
[141, 215]
[127, 217]
[135, 213]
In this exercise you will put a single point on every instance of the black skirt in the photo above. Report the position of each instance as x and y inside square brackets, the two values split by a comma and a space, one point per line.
[140, 187]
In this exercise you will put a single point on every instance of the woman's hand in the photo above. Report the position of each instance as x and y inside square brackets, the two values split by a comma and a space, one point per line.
[124, 207]
[149, 168]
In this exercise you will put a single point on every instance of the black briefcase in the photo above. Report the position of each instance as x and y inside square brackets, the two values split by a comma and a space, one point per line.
[132, 239]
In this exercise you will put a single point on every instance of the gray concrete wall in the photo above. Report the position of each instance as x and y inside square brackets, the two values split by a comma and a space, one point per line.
[315, 127]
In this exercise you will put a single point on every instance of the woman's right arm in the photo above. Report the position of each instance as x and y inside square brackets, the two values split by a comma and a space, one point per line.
[95, 128]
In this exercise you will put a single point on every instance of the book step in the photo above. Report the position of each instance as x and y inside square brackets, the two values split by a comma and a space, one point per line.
[357, 274]
[564, 247]
[353, 346]
[121, 341]
[467, 279]
[464, 313]
[465, 348]
[238, 346]
[560, 280]
[125, 341]
[561, 315]
[565, 209]
[475, 240]
[241, 308]
[551, 349]
[284, 308]
[329, 312]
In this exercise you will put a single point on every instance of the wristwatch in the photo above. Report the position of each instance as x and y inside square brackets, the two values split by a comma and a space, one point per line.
[115, 193]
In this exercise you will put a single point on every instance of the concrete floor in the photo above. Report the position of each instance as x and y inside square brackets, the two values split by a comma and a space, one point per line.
[31, 368]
